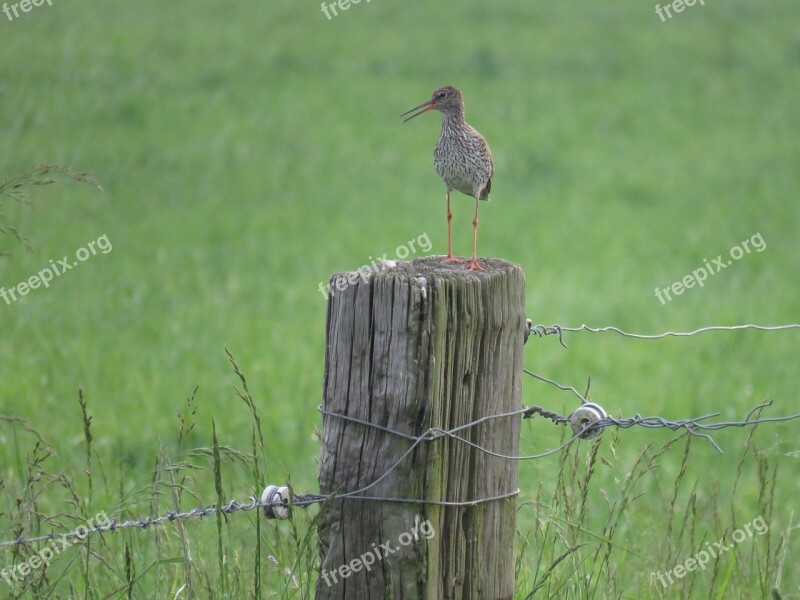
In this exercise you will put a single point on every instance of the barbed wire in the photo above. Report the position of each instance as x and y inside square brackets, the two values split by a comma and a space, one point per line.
[587, 422]
[694, 425]
[113, 526]
[543, 330]
[582, 429]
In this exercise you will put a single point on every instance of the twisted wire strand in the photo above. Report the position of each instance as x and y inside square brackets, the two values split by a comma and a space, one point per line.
[143, 523]
[693, 426]
[542, 330]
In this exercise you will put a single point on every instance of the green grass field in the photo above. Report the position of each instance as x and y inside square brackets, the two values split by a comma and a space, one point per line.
[248, 150]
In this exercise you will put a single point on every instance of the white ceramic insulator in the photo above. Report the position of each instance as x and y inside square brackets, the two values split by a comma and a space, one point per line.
[586, 415]
[277, 500]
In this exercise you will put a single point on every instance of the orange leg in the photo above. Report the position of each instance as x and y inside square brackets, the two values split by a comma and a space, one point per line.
[473, 264]
[450, 256]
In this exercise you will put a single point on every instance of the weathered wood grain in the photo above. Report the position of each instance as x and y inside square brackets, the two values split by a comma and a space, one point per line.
[420, 345]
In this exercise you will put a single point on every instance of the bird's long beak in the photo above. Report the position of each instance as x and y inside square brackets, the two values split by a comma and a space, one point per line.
[425, 106]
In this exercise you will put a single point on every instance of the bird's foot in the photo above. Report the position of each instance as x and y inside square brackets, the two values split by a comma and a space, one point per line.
[455, 259]
[474, 266]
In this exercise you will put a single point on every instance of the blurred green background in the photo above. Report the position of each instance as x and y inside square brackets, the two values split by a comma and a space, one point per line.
[248, 150]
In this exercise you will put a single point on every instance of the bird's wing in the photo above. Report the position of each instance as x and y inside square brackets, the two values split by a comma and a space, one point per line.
[489, 156]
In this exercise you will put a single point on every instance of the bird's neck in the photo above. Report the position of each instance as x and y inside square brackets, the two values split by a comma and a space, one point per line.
[450, 119]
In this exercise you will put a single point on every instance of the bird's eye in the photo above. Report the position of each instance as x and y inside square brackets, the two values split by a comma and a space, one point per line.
[441, 95]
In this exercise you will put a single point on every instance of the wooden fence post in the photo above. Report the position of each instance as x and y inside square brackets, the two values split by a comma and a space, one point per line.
[409, 347]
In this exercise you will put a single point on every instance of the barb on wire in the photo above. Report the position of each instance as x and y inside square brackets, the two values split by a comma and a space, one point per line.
[542, 330]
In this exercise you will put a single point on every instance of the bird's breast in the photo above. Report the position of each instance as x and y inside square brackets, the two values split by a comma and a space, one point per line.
[462, 164]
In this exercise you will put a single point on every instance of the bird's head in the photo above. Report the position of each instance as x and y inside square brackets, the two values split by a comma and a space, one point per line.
[446, 99]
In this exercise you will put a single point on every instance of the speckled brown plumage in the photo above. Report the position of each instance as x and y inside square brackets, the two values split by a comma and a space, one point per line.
[462, 159]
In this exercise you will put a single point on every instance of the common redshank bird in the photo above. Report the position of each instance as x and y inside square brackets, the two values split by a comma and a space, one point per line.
[462, 159]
